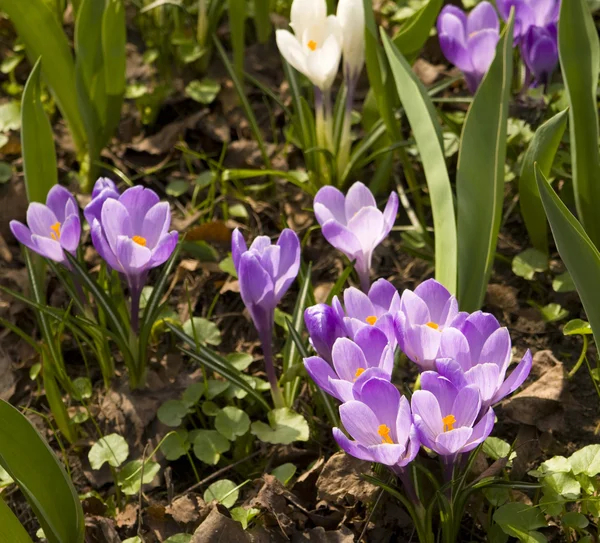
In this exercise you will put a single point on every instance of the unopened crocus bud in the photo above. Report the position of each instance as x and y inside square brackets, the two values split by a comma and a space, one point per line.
[469, 42]
[354, 225]
[53, 228]
[539, 50]
[104, 189]
[324, 326]
[528, 13]
[315, 47]
[351, 16]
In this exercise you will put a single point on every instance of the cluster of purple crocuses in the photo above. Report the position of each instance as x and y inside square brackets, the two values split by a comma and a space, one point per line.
[130, 231]
[469, 41]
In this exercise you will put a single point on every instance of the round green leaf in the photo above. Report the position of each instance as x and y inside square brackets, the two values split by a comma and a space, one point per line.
[223, 491]
[520, 520]
[82, 388]
[553, 312]
[209, 445]
[134, 539]
[574, 520]
[5, 171]
[205, 179]
[203, 331]
[286, 426]
[111, 448]
[529, 262]
[563, 283]
[210, 409]
[172, 412]
[204, 91]
[232, 422]
[130, 477]
[175, 445]
[244, 516]
[284, 473]
[577, 327]
[192, 394]
[240, 361]
[10, 116]
[586, 460]
[179, 538]
[177, 187]
[216, 387]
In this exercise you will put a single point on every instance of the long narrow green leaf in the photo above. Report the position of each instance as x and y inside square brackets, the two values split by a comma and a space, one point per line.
[10, 527]
[37, 143]
[579, 51]
[428, 134]
[262, 20]
[31, 463]
[237, 32]
[55, 401]
[541, 150]
[217, 364]
[43, 36]
[480, 176]
[413, 34]
[577, 251]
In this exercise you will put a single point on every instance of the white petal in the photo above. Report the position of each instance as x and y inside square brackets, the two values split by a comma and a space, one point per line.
[291, 50]
[306, 13]
[323, 64]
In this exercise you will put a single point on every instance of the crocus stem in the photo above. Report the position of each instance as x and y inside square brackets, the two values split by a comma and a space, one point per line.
[364, 275]
[324, 130]
[417, 512]
[266, 339]
[136, 293]
[343, 154]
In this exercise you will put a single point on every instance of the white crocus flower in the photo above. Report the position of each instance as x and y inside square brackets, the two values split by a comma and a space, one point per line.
[351, 17]
[315, 47]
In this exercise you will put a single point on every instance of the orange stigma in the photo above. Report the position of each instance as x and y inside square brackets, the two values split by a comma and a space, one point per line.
[449, 423]
[312, 45]
[384, 432]
[358, 373]
[139, 240]
[55, 234]
[433, 325]
[371, 320]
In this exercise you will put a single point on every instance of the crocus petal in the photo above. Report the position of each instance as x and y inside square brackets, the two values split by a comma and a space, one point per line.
[497, 350]
[382, 293]
[320, 372]
[156, 224]
[481, 431]
[483, 16]
[164, 249]
[482, 47]
[414, 308]
[452, 21]
[425, 405]
[342, 390]
[353, 448]
[367, 225]
[101, 184]
[289, 262]
[372, 343]
[138, 201]
[413, 446]
[366, 376]
[546, 11]
[342, 239]
[256, 286]
[70, 233]
[454, 345]
[386, 453]
[360, 422]
[115, 222]
[48, 247]
[134, 258]
[57, 199]
[22, 233]
[515, 379]
[435, 295]
[324, 327]
[389, 215]
[323, 67]
[238, 246]
[291, 50]
[467, 405]
[486, 377]
[40, 219]
[102, 246]
[329, 204]
[453, 441]
[404, 421]
[383, 399]
[351, 16]
[444, 391]
[421, 345]
[305, 13]
[348, 359]
[358, 196]
[451, 370]
[358, 305]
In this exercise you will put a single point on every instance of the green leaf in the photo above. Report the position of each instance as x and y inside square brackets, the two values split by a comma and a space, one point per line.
[577, 327]
[37, 141]
[210, 409]
[541, 150]
[177, 188]
[480, 176]
[10, 116]
[223, 491]
[179, 538]
[244, 516]
[209, 445]
[216, 387]
[192, 394]
[521, 520]
[497, 448]
[576, 250]
[203, 331]
[111, 448]
[237, 25]
[553, 312]
[529, 262]
[574, 520]
[232, 422]
[135, 474]
[172, 412]
[579, 52]
[586, 460]
[240, 361]
[134, 539]
[42, 480]
[82, 388]
[427, 132]
[204, 91]
[175, 445]
[262, 20]
[414, 32]
[10, 527]
[284, 473]
[285, 427]
[563, 484]
[563, 283]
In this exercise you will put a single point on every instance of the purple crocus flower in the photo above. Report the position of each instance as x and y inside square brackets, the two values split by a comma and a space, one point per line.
[381, 423]
[265, 273]
[354, 225]
[324, 326]
[133, 236]
[478, 353]
[377, 308]
[469, 42]
[423, 315]
[448, 418]
[53, 228]
[539, 49]
[528, 13]
[368, 355]
[103, 189]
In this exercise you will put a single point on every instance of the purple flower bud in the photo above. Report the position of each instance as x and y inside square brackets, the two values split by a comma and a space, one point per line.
[447, 418]
[423, 315]
[52, 228]
[103, 189]
[380, 421]
[469, 42]
[539, 50]
[542, 13]
[353, 362]
[132, 235]
[354, 225]
[324, 326]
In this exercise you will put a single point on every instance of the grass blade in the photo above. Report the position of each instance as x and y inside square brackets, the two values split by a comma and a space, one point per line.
[237, 32]
[579, 52]
[37, 142]
[541, 150]
[10, 527]
[428, 134]
[480, 176]
[413, 34]
[262, 20]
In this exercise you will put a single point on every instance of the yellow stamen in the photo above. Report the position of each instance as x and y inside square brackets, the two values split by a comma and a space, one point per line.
[433, 325]
[371, 320]
[358, 373]
[55, 234]
[449, 423]
[312, 45]
[139, 240]
[384, 432]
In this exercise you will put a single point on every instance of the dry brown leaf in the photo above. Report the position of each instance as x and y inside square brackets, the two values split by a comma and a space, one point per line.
[218, 528]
